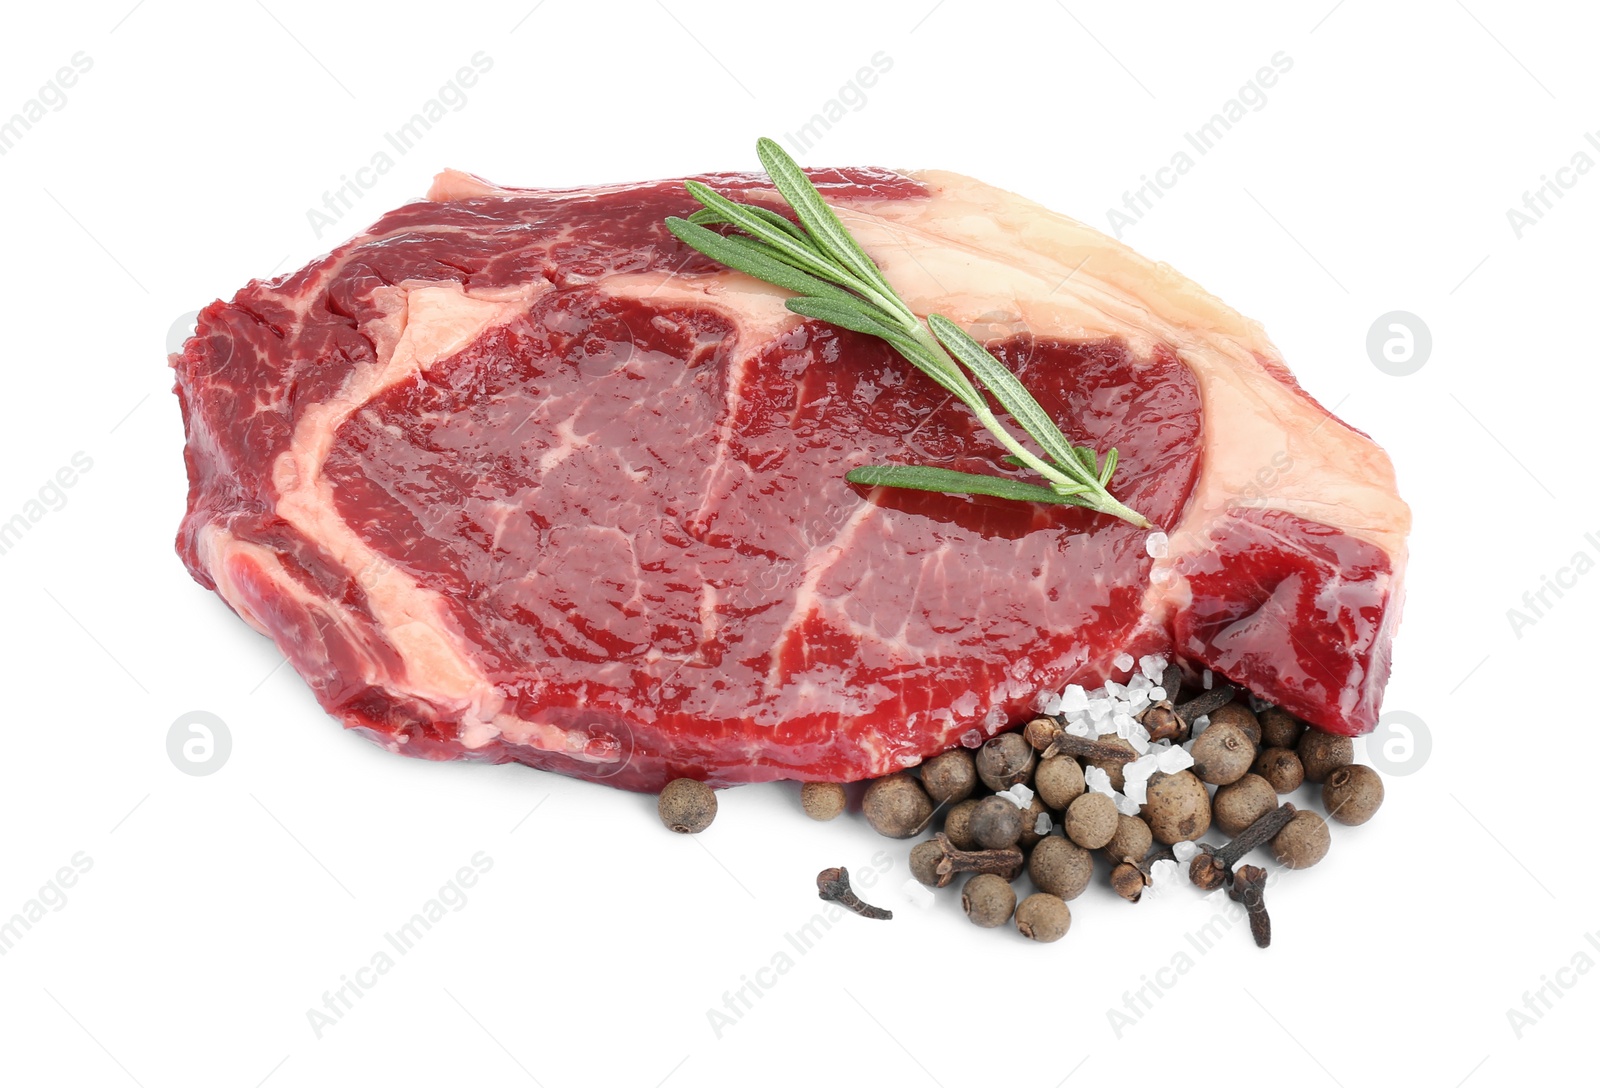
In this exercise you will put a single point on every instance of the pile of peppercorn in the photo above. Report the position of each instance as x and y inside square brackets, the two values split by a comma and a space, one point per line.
[1243, 760]
[1023, 803]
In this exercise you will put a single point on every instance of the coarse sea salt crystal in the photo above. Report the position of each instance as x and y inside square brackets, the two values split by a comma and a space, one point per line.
[1163, 874]
[1139, 682]
[1173, 760]
[1098, 781]
[1099, 708]
[1184, 851]
[1042, 825]
[1206, 679]
[1155, 545]
[971, 738]
[1078, 727]
[1125, 805]
[918, 893]
[1074, 698]
[1112, 690]
[1047, 702]
[1122, 662]
[1019, 795]
[1153, 666]
[1138, 740]
[1157, 693]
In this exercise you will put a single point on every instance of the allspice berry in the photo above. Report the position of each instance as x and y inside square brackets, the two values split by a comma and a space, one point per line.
[1239, 804]
[896, 805]
[1060, 867]
[925, 858]
[1177, 807]
[1058, 781]
[1030, 823]
[988, 900]
[950, 776]
[958, 825]
[822, 800]
[1091, 820]
[1279, 728]
[1352, 794]
[1281, 767]
[1223, 753]
[1044, 918]
[996, 823]
[1321, 753]
[1113, 767]
[687, 806]
[1240, 715]
[1303, 842]
[1131, 841]
[1005, 760]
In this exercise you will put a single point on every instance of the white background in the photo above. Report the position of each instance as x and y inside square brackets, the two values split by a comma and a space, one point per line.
[219, 909]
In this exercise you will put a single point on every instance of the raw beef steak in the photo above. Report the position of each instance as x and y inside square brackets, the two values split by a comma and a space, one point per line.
[516, 476]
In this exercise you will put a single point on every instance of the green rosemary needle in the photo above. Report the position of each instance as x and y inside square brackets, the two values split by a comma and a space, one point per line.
[835, 281]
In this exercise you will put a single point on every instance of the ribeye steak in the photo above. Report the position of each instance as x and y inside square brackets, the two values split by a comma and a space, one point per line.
[514, 475]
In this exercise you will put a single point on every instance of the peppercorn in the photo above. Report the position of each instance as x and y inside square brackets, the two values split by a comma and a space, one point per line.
[925, 858]
[896, 805]
[822, 800]
[1239, 804]
[1059, 781]
[996, 823]
[958, 825]
[1281, 767]
[1241, 715]
[1030, 823]
[988, 900]
[1321, 753]
[687, 806]
[1113, 767]
[1004, 761]
[1043, 917]
[1223, 753]
[1303, 841]
[1352, 794]
[1091, 820]
[1177, 807]
[1279, 728]
[1060, 867]
[1132, 840]
[950, 776]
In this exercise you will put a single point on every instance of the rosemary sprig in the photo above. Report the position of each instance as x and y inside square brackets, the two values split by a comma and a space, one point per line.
[835, 281]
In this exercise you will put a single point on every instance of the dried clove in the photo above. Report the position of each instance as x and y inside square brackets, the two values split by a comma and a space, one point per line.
[833, 885]
[1204, 703]
[1130, 878]
[1212, 867]
[1005, 863]
[1250, 888]
[1090, 751]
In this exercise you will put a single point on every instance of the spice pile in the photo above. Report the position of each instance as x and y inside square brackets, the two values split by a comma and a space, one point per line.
[1130, 771]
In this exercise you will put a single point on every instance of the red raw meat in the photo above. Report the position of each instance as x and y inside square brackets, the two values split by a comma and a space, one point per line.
[516, 476]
